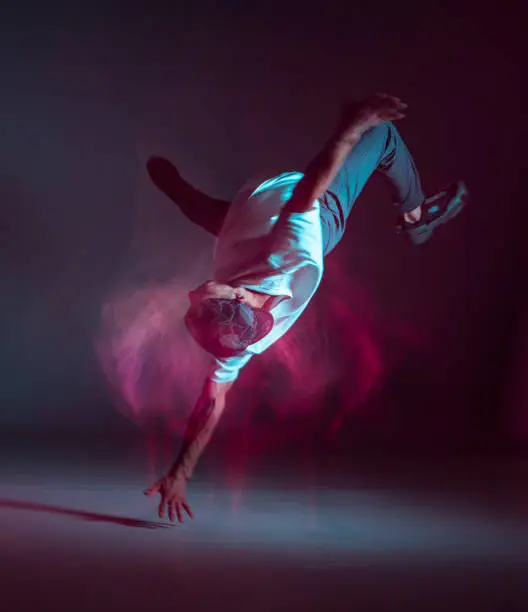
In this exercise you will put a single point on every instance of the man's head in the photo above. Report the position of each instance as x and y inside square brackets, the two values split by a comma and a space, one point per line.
[225, 320]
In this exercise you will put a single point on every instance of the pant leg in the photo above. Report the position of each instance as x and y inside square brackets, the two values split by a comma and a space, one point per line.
[380, 149]
[205, 211]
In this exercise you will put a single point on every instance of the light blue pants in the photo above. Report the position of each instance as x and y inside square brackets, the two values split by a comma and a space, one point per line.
[380, 149]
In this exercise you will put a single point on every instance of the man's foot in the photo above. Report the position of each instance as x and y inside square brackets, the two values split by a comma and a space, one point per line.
[436, 210]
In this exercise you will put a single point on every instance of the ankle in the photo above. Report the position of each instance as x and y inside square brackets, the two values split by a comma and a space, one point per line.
[413, 216]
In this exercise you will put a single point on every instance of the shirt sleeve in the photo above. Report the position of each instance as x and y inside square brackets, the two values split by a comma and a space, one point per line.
[228, 369]
[294, 240]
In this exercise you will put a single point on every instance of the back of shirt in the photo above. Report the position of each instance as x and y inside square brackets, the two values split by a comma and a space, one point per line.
[283, 260]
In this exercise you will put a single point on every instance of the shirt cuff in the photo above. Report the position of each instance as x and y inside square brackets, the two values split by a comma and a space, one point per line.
[228, 369]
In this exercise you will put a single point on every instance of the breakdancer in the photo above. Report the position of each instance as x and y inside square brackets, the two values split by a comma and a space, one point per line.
[271, 243]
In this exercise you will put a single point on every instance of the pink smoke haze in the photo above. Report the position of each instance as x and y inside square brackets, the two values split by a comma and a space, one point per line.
[341, 341]
[155, 370]
[153, 367]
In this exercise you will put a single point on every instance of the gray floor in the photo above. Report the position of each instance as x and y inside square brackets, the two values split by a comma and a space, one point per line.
[394, 536]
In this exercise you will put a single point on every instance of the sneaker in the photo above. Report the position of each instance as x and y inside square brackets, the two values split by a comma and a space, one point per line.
[436, 210]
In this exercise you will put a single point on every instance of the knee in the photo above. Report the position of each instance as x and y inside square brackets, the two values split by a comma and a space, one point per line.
[381, 134]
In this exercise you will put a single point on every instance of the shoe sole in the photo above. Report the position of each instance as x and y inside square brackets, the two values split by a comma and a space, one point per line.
[454, 208]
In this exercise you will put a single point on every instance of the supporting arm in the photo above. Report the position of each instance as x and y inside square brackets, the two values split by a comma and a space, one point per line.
[203, 421]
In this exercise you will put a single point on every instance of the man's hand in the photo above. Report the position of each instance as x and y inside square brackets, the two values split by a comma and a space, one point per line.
[172, 491]
[202, 423]
[358, 117]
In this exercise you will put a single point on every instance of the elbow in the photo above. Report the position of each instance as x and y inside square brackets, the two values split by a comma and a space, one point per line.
[215, 390]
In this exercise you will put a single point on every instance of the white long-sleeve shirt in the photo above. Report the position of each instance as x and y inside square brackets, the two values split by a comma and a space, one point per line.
[286, 263]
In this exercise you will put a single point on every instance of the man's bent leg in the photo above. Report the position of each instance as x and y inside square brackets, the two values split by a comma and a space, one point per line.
[205, 211]
[381, 149]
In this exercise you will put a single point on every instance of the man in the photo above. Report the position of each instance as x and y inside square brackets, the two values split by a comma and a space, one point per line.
[270, 249]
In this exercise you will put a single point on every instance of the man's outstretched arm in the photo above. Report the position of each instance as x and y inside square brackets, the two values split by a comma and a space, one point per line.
[356, 119]
[203, 421]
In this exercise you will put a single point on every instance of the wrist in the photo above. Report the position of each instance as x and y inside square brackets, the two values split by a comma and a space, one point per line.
[178, 472]
[348, 137]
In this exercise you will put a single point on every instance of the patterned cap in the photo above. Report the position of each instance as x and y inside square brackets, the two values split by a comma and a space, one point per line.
[225, 328]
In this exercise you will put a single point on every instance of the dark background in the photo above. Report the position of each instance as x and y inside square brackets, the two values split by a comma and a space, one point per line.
[226, 90]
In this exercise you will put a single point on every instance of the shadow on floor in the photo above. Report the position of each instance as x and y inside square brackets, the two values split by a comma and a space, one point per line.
[82, 515]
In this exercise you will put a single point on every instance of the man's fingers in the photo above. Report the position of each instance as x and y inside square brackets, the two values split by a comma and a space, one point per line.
[179, 512]
[393, 116]
[387, 101]
[389, 114]
[394, 106]
[394, 99]
[152, 490]
[397, 101]
[187, 509]
[172, 501]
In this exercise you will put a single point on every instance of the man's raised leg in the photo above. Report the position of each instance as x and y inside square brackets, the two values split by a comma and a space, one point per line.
[382, 149]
